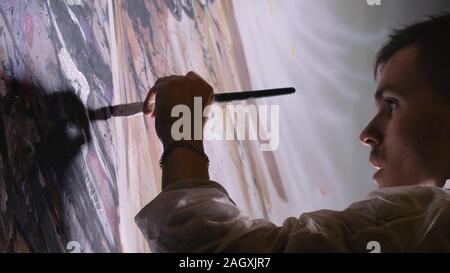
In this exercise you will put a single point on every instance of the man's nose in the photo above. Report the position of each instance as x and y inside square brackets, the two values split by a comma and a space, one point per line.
[371, 135]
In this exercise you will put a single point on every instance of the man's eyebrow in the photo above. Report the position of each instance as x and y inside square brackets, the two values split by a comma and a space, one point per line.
[387, 87]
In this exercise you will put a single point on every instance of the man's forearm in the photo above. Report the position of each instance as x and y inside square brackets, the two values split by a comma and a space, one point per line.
[184, 163]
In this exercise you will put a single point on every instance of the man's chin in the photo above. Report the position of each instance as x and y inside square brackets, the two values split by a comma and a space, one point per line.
[378, 178]
[385, 179]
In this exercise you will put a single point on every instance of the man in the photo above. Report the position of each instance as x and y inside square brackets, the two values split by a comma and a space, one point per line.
[409, 138]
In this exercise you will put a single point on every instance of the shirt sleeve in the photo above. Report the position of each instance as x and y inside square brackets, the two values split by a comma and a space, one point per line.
[199, 216]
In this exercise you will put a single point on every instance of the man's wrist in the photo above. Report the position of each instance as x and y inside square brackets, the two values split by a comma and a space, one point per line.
[198, 144]
[194, 146]
[181, 161]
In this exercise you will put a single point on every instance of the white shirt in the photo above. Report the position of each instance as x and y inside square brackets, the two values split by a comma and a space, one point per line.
[199, 216]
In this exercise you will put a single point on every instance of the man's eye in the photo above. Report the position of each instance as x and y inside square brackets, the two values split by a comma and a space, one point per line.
[392, 104]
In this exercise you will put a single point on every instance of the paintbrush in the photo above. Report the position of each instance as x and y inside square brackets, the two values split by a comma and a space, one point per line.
[129, 109]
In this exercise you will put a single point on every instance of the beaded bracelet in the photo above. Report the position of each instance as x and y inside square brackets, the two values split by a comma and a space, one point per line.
[172, 145]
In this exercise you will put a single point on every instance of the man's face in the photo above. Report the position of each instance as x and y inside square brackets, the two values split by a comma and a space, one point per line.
[410, 133]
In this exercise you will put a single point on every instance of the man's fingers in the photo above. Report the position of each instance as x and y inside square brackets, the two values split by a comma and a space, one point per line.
[194, 76]
[163, 79]
[149, 103]
[168, 78]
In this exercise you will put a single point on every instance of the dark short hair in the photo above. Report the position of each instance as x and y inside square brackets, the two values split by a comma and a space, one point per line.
[432, 39]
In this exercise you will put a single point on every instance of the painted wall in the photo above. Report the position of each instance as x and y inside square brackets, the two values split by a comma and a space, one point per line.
[69, 174]
[59, 182]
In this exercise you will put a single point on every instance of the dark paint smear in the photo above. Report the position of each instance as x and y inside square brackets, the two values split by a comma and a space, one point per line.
[10, 31]
[137, 9]
[60, 164]
[90, 63]
[105, 42]
[86, 26]
[104, 147]
[206, 55]
[87, 59]
[142, 92]
[143, 16]
[6, 219]
[53, 35]
[188, 8]
[209, 64]
[175, 8]
[99, 98]
[218, 48]
[9, 101]
[275, 175]
[109, 167]
[95, 228]
[39, 210]
[157, 6]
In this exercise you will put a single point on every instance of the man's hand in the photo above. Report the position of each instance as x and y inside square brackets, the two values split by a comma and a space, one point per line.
[181, 163]
[171, 91]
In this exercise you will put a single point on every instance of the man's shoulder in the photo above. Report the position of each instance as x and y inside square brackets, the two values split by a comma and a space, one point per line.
[403, 200]
[413, 191]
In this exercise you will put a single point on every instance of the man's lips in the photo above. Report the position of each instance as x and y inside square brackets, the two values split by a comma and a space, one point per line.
[375, 163]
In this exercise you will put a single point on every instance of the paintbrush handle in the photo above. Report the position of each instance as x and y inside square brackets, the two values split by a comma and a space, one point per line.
[134, 108]
[244, 95]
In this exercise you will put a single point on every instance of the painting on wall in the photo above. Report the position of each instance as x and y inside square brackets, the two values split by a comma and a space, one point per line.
[70, 179]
